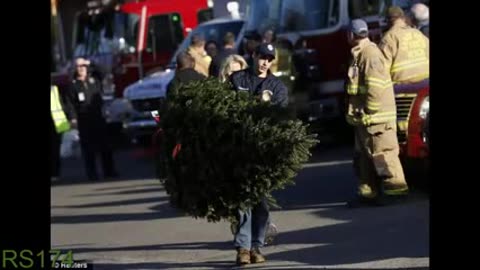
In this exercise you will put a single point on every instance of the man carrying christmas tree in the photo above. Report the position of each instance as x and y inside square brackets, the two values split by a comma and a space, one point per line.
[260, 82]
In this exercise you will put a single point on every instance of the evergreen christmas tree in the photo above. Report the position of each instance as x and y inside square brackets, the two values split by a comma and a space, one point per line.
[227, 150]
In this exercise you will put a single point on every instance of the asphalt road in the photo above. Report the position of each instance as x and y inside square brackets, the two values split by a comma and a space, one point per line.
[127, 223]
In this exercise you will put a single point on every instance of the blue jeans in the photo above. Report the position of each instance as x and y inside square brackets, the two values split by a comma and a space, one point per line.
[252, 227]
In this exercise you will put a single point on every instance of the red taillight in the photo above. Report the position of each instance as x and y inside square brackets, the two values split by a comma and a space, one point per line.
[176, 150]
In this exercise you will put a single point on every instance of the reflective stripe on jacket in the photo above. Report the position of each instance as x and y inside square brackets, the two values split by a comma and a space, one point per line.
[407, 53]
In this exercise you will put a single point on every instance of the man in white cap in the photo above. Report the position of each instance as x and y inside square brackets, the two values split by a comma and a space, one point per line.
[371, 109]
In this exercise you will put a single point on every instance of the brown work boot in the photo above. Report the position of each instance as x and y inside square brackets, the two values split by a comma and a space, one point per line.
[256, 256]
[243, 256]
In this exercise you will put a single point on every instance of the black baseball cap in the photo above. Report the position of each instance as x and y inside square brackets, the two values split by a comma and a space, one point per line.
[266, 49]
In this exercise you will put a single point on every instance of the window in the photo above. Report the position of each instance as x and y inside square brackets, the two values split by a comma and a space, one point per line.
[263, 15]
[105, 33]
[292, 15]
[334, 13]
[126, 27]
[164, 32]
[204, 15]
[364, 8]
[305, 15]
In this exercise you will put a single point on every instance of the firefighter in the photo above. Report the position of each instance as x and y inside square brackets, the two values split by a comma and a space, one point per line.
[197, 51]
[406, 50]
[258, 81]
[59, 125]
[86, 98]
[371, 110]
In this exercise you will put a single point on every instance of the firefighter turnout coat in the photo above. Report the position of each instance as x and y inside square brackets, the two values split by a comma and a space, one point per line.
[407, 53]
[370, 96]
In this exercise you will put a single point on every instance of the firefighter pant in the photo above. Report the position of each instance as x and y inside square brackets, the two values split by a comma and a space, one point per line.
[376, 160]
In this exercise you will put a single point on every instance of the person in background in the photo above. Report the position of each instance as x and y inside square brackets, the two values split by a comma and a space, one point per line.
[184, 73]
[59, 124]
[197, 51]
[420, 14]
[251, 42]
[231, 64]
[85, 96]
[228, 49]
[211, 48]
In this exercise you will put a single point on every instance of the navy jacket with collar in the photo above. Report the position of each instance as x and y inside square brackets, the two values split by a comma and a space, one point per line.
[244, 80]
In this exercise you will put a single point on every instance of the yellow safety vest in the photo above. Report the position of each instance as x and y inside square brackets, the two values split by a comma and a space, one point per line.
[58, 115]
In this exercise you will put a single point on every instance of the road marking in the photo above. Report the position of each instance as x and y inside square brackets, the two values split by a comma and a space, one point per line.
[328, 163]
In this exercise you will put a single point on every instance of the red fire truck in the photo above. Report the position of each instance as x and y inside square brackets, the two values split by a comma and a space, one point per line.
[133, 39]
[316, 34]
[414, 136]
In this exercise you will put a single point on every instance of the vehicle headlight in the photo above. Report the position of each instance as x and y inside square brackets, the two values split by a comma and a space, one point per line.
[424, 107]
